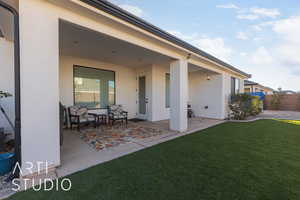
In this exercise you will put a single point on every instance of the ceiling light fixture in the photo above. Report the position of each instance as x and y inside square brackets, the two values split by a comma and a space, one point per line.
[208, 77]
[188, 56]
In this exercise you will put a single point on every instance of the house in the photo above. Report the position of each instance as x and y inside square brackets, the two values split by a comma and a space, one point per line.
[287, 92]
[251, 87]
[91, 51]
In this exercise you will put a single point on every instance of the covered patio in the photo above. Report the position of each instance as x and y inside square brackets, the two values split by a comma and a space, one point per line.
[98, 70]
[79, 152]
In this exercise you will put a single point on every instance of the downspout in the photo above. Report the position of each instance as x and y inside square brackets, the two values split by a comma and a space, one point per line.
[17, 85]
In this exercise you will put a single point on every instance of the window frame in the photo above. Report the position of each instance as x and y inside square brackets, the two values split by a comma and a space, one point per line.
[94, 68]
[233, 83]
[166, 106]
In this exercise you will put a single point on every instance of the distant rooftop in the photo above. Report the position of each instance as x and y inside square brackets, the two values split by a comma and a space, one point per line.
[247, 82]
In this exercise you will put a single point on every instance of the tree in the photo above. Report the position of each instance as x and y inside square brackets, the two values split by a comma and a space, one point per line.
[276, 100]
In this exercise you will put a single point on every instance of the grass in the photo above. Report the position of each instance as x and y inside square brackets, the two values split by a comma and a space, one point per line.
[247, 161]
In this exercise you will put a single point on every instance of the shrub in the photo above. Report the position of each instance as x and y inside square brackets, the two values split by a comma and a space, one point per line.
[276, 101]
[244, 105]
[257, 105]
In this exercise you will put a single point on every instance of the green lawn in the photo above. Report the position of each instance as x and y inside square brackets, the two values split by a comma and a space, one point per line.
[258, 160]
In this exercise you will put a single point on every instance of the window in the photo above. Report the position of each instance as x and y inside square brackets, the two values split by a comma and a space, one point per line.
[167, 90]
[93, 88]
[235, 85]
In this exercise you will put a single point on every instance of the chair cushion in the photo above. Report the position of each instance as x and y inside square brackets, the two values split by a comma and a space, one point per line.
[74, 109]
[82, 112]
[119, 116]
[117, 110]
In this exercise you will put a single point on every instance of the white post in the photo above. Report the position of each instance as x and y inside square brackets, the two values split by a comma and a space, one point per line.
[178, 95]
[39, 87]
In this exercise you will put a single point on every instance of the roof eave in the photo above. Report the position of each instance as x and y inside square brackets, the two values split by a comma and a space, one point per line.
[128, 17]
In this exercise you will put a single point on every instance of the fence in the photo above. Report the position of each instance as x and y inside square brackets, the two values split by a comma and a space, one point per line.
[288, 102]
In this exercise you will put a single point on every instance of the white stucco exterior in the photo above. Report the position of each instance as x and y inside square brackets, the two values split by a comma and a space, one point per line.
[206, 96]
[178, 95]
[47, 75]
[39, 84]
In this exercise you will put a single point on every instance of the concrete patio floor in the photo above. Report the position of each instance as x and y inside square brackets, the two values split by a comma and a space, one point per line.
[77, 155]
[276, 114]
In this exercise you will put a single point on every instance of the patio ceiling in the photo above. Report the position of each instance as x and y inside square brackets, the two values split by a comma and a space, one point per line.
[81, 42]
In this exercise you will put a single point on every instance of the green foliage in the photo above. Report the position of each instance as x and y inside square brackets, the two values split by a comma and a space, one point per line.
[257, 105]
[276, 101]
[244, 105]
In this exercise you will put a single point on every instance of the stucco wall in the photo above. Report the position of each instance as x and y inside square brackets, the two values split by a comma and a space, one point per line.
[7, 81]
[125, 81]
[159, 109]
[39, 85]
[206, 93]
[226, 94]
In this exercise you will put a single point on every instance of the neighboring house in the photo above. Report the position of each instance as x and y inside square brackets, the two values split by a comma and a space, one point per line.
[93, 52]
[251, 87]
[288, 92]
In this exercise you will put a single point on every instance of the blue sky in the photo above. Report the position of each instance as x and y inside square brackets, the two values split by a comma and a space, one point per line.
[261, 37]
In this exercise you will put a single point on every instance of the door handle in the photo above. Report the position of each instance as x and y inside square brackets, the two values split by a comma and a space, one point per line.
[146, 100]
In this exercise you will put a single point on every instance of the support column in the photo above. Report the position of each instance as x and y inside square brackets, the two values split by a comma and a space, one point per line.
[178, 95]
[39, 37]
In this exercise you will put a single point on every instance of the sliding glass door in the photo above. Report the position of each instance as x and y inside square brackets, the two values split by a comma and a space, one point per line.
[94, 88]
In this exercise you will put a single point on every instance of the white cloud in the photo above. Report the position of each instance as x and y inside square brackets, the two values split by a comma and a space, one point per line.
[257, 39]
[213, 46]
[242, 36]
[285, 52]
[248, 17]
[257, 27]
[228, 6]
[257, 13]
[243, 54]
[288, 29]
[288, 50]
[132, 9]
[261, 26]
[262, 56]
[264, 12]
[281, 58]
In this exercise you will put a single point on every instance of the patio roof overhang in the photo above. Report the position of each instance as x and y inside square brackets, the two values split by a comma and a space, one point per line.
[78, 41]
[136, 21]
